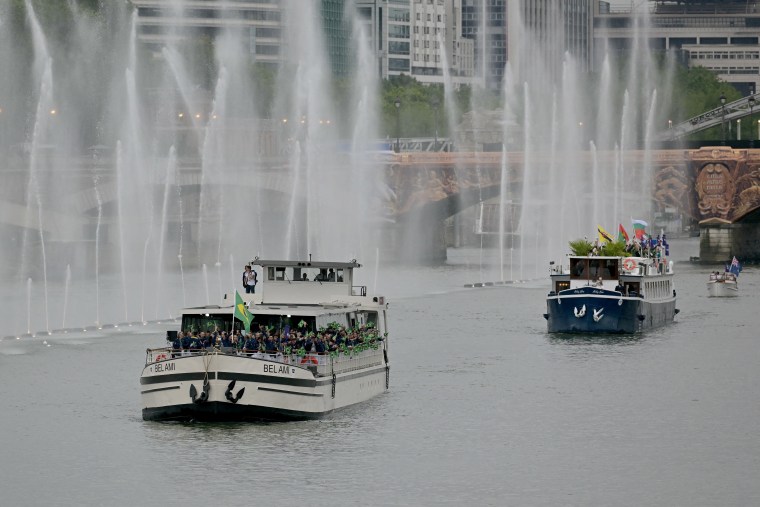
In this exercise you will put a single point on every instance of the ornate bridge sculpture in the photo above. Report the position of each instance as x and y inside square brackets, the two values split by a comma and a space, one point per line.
[726, 184]
[726, 201]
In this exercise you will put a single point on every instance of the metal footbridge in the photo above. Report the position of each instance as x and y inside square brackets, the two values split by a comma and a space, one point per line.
[745, 106]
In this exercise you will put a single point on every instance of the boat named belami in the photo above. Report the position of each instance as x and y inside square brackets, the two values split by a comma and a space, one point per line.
[308, 343]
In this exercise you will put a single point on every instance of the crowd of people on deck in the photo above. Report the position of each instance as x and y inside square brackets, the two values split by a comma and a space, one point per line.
[333, 340]
[649, 247]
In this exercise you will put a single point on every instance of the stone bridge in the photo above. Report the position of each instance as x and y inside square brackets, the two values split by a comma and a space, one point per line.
[716, 187]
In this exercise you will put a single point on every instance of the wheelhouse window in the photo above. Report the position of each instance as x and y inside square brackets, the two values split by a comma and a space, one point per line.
[578, 269]
[607, 269]
[280, 274]
[593, 267]
[305, 274]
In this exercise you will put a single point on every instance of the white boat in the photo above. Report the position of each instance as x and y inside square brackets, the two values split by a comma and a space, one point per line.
[722, 285]
[275, 380]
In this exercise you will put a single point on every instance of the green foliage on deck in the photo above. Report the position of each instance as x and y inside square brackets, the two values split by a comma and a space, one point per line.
[614, 249]
[584, 247]
[581, 247]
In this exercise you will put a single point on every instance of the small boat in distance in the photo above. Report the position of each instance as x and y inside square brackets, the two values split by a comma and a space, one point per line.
[611, 293]
[725, 284]
[721, 285]
[309, 342]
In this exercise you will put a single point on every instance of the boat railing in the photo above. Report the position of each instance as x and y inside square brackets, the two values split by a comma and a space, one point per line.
[343, 363]
[722, 277]
[324, 364]
[155, 355]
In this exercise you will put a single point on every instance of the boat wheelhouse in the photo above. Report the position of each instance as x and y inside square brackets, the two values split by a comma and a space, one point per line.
[316, 343]
[605, 294]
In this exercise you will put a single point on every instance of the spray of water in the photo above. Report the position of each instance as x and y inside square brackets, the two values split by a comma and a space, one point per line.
[97, 251]
[205, 283]
[120, 185]
[28, 306]
[171, 171]
[232, 275]
[66, 295]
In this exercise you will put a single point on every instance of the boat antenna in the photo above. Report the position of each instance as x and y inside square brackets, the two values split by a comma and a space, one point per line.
[309, 257]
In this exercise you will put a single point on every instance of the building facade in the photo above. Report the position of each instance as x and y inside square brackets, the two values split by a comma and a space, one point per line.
[438, 48]
[161, 21]
[388, 25]
[419, 38]
[546, 30]
[484, 22]
[722, 36]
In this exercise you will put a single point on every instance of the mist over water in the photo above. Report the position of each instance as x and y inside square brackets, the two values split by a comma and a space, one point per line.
[146, 173]
[139, 167]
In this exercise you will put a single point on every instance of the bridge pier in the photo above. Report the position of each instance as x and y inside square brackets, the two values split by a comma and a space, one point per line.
[718, 243]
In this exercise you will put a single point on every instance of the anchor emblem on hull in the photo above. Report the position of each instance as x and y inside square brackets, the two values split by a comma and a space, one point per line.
[203, 395]
[579, 314]
[228, 393]
[598, 315]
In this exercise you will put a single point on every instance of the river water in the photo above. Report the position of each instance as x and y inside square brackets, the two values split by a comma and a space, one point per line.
[485, 408]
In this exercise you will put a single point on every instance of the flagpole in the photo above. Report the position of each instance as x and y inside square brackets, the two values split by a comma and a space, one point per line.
[234, 306]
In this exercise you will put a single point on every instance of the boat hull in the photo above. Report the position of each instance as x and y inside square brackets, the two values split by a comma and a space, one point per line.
[576, 312]
[722, 289]
[261, 389]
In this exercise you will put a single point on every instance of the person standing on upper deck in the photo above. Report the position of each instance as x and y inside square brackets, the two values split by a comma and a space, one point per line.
[249, 280]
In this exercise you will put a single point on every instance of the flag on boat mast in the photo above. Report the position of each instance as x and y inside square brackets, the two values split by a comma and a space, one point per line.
[639, 228]
[622, 233]
[604, 236]
[735, 268]
[242, 313]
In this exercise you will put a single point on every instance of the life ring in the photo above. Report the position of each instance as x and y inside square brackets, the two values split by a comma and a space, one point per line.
[160, 357]
[629, 264]
[309, 360]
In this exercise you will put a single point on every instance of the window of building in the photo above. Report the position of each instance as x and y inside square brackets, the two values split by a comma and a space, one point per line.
[398, 65]
[398, 48]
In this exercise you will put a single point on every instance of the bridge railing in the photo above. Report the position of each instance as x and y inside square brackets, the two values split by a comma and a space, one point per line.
[745, 106]
[424, 144]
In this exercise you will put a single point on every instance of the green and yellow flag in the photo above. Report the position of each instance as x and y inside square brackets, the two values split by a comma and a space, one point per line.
[242, 313]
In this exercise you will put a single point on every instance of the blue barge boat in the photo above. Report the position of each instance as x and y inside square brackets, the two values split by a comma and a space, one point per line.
[603, 294]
